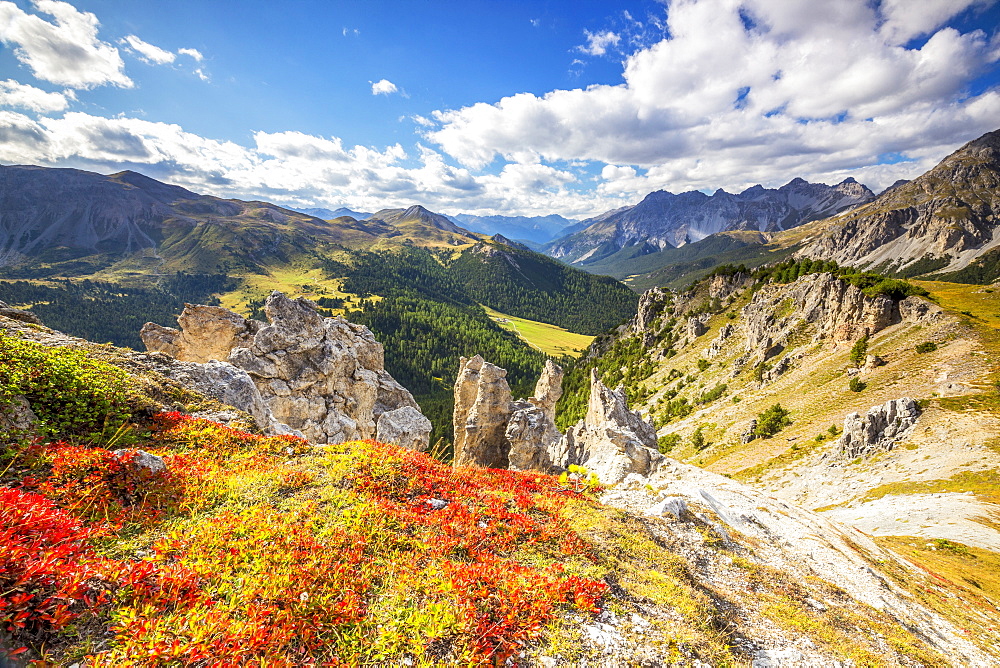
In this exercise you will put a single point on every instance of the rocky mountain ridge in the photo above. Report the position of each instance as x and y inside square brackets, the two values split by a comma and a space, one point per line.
[939, 222]
[665, 220]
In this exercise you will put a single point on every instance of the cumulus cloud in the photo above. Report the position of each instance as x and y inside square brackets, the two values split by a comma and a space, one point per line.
[193, 53]
[752, 91]
[65, 51]
[148, 52]
[23, 96]
[598, 42]
[905, 19]
[383, 87]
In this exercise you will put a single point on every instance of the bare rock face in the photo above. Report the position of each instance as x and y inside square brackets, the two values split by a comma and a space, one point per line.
[224, 382]
[531, 430]
[837, 310]
[322, 377]
[611, 441]
[915, 309]
[715, 347]
[696, 327]
[482, 410]
[404, 426]
[140, 459]
[206, 333]
[879, 430]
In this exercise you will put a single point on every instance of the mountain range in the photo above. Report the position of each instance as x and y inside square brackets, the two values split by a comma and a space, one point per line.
[665, 220]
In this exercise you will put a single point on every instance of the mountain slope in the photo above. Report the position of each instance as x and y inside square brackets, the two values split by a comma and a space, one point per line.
[416, 225]
[515, 280]
[665, 220]
[941, 221]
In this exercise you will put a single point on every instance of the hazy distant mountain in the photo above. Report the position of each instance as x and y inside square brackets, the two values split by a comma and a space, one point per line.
[330, 214]
[665, 220]
[538, 229]
[419, 226]
[945, 220]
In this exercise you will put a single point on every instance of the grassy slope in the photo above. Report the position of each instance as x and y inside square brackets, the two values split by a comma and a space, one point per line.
[551, 340]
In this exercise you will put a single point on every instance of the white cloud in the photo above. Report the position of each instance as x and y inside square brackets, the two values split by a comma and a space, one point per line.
[147, 52]
[383, 87]
[15, 94]
[598, 42]
[905, 19]
[194, 53]
[348, 32]
[745, 92]
[65, 52]
[201, 74]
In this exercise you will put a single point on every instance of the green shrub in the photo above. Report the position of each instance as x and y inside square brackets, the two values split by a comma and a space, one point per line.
[71, 393]
[771, 421]
[698, 441]
[703, 364]
[926, 347]
[857, 385]
[859, 351]
[668, 442]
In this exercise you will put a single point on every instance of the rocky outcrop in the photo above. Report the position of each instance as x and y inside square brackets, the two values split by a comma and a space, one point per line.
[531, 430]
[19, 314]
[916, 310]
[322, 377]
[224, 382]
[405, 426]
[482, 410]
[325, 377]
[696, 326]
[879, 430]
[206, 333]
[611, 441]
[836, 310]
[715, 347]
[140, 459]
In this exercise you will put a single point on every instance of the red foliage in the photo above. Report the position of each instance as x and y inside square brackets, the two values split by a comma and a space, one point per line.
[49, 574]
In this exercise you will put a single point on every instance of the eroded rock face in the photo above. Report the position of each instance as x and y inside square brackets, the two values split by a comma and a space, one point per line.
[531, 430]
[611, 441]
[837, 310]
[19, 314]
[483, 408]
[879, 430]
[17, 415]
[225, 382]
[206, 333]
[322, 377]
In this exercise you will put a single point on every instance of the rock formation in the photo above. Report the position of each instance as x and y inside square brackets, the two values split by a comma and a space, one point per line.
[837, 310]
[531, 430]
[611, 441]
[323, 377]
[879, 430]
[206, 333]
[915, 309]
[19, 314]
[482, 411]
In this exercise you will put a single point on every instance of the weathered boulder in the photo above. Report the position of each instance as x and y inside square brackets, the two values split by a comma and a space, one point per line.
[917, 310]
[404, 426]
[140, 459]
[879, 430]
[16, 415]
[696, 327]
[482, 410]
[611, 441]
[322, 376]
[750, 433]
[206, 333]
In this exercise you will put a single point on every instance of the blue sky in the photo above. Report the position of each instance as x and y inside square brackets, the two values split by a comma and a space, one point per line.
[495, 107]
